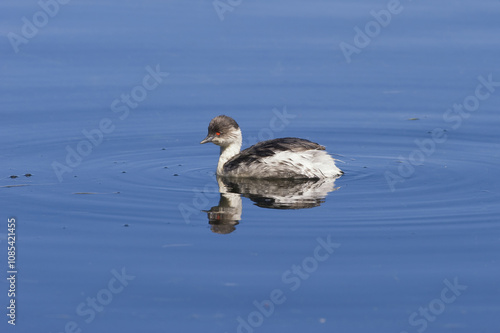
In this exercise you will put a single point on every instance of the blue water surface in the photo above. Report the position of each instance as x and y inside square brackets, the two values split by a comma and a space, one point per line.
[104, 104]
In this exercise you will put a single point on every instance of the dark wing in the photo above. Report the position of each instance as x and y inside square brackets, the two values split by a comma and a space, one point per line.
[269, 148]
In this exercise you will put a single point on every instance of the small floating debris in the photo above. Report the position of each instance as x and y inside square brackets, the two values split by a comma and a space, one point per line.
[125, 225]
[413, 118]
[175, 175]
[165, 167]
[163, 149]
[25, 175]
[124, 171]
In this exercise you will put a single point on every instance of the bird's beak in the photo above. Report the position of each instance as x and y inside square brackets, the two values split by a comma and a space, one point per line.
[209, 138]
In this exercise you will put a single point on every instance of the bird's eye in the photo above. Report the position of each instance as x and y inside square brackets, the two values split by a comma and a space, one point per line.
[217, 133]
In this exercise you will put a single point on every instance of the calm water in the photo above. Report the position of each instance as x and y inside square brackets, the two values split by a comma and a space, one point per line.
[105, 103]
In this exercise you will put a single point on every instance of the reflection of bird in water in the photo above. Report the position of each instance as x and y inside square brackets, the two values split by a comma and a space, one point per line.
[226, 215]
[266, 193]
[279, 158]
[224, 218]
[282, 193]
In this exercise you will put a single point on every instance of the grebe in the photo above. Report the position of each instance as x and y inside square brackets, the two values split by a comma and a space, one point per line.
[277, 158]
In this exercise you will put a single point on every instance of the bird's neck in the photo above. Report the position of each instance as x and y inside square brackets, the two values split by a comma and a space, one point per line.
[226, 153]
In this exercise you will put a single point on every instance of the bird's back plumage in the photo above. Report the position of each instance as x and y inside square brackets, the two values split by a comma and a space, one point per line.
[279, 158]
